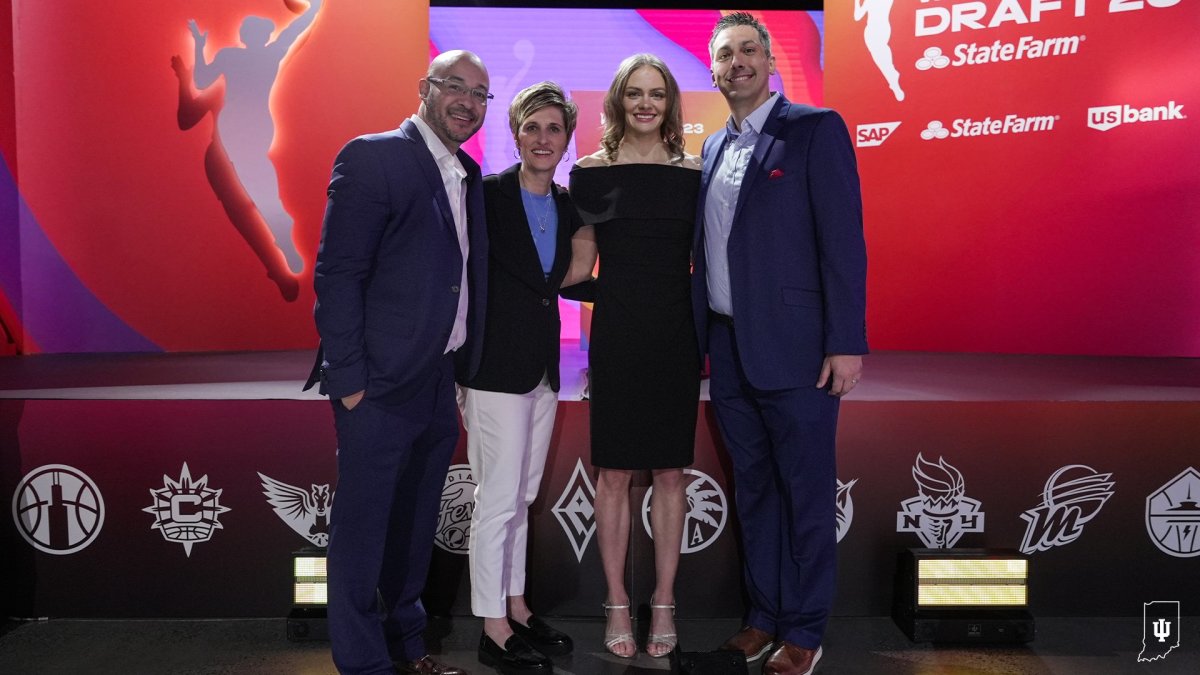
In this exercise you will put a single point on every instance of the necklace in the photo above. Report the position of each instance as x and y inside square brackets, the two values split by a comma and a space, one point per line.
[546, 205]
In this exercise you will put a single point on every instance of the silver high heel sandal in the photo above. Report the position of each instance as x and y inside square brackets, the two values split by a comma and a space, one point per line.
[669, 640]
[611, 640]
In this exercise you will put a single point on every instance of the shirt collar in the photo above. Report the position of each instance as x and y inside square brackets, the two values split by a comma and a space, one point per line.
[441, 154]
[754, 121]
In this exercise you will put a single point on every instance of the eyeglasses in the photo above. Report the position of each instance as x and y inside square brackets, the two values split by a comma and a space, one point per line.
[479, 94]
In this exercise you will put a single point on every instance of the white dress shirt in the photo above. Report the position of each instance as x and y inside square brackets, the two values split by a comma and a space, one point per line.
[454, 178]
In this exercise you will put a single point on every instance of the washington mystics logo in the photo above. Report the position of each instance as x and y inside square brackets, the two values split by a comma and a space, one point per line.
[575, 509]
[941, 512]
[458, 503]
[185, 511]
[1073, 496]
[305, 511]
[1173, 515]
[706, 512]
[58, 509]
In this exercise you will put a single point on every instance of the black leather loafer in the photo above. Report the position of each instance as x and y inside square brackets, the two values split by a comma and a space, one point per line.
[516, 658]
[547, 639]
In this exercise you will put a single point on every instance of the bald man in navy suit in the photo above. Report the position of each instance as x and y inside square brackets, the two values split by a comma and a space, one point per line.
[401, 281]
[779, 299]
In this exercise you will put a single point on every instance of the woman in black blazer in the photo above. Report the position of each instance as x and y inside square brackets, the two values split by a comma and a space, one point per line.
[508, 407]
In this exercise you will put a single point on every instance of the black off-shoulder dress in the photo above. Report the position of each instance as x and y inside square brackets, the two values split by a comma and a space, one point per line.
[645, 379]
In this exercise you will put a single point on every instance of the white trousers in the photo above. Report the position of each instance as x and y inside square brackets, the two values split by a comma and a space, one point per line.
[508, 437]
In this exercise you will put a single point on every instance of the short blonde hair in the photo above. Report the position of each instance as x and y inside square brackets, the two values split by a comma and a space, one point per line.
[541, 95]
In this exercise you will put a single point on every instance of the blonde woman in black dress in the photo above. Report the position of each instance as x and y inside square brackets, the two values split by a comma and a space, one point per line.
[637, 198]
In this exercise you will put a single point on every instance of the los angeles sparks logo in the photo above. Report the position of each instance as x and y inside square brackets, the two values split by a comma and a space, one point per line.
[186, 511]
[1073, 496]
[305, 511]
[941, 512]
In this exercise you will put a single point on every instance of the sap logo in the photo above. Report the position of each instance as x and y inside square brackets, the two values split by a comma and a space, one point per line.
[1103, 118]
[872, 135]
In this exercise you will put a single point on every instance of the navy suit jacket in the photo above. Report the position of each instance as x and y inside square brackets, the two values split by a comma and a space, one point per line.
[797, 259]
[389, 269]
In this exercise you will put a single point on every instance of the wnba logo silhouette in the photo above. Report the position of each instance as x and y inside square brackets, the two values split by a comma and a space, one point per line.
[237, 162]
[877, 33]
[58, 509]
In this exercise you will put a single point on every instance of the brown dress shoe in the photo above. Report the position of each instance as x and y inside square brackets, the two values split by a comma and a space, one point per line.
[789, 659]
[427, 666]
[750, 641]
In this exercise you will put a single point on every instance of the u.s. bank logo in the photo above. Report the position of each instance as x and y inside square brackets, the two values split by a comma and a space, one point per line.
[454, 517]
[941, 512]
[186, 511]
[305, 511]
[1073, 495]
[1173, 515]
[845, 508]
[58, 509]
[575, 509]
[707, 511]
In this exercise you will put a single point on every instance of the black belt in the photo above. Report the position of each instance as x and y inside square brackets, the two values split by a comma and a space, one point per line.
[723, 319]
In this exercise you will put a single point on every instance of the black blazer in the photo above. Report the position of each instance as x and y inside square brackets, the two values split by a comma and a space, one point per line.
[521, 332]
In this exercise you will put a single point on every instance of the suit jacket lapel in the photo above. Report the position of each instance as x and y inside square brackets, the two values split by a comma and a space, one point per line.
[718, 142]
[517, 241]
[431, 172]
[766, 138]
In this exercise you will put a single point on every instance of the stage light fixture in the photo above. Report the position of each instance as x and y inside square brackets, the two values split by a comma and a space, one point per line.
[963, 595]
[310, 593]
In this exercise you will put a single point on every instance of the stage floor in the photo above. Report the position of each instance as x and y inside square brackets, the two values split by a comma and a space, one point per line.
[888, 376]
[853, 646]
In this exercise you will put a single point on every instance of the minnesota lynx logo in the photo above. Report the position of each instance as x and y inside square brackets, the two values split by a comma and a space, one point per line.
[845, 508]
[185, 511]
[305, 511]
[941, 512]
[1073, 496]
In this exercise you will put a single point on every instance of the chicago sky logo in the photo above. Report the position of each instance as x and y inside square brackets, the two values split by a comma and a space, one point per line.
[872, 135]
[707, 512]
[941, 512]
[845, 508]
[185, 511]
[575, 509]
[1173, 515]
[305, 511]
[1160, 629]
[454, 517]
[58, 509]
[1073, 495]
[1105, 117]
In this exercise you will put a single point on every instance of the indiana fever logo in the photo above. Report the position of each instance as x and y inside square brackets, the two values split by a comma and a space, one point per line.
[941, 512]
[458, 503]
[305, 511]
[1072, 497]
[185, 511]
[706, 512]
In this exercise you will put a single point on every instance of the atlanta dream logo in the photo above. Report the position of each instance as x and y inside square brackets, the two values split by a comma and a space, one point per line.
[58, 509]
[454, 517]
[707, 511]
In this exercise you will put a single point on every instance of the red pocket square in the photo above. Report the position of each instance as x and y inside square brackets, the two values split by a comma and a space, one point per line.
[775, 173]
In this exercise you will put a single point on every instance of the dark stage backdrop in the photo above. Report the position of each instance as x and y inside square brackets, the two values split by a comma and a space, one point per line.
[192, 508]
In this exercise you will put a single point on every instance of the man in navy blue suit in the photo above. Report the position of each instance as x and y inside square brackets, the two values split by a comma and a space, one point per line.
[400, 281]
[779, 298]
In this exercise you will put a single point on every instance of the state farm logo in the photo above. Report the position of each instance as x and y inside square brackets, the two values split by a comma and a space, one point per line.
[998, 51]
[989, 126]
[872, 135]
[1105, 117]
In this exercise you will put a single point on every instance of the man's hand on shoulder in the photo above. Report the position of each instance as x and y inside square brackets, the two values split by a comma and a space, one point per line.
[843, 371]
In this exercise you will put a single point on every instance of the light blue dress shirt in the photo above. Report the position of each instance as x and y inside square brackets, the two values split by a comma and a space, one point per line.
[719, 205]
